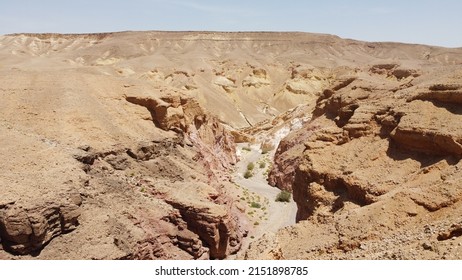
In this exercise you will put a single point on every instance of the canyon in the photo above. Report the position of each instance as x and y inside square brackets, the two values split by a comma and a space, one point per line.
[136, 145]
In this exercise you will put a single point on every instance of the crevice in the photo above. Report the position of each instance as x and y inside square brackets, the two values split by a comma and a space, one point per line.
[197, 223]
[343, 83]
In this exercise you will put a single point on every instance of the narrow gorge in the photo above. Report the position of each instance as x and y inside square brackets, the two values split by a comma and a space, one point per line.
[175, 145]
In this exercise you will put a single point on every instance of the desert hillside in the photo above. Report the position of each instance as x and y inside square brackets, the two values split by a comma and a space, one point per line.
[135, 145]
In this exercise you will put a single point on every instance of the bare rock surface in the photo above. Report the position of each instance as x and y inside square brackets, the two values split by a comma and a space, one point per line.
[376, 177]
[122, 146]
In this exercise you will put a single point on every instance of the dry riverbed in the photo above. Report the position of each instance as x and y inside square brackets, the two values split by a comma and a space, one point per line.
[265, 213]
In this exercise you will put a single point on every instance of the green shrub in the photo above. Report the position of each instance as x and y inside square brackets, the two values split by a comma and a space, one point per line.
[250, 166]
[255, 204]
[248, 174]
[262, 164]
[246, 149]
[283, 196]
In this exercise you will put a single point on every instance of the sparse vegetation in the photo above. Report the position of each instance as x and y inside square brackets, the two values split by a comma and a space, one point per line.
[254, 204]
[267, 170]
[283, 196]
[248, 174]
[246, 149]
[250, 166]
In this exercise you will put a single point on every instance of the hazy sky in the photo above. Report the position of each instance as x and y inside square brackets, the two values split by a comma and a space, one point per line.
[434, 22]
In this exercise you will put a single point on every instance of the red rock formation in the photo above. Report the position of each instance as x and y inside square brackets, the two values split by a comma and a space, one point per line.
[25, 230]
[216, 224]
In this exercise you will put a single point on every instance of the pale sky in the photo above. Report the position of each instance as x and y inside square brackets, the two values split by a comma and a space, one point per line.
[433, 22]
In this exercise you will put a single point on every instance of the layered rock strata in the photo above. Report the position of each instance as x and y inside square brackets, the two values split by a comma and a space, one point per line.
[375, 173]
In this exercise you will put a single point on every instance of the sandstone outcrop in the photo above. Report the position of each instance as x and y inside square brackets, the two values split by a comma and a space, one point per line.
[151, 178]
[27, 230]
[377, 170]
[257, 79]
[198, 220]
[436, 132]
[203, 222]
[215, 145]
[282, 175]
[121, 145]
[394, 70]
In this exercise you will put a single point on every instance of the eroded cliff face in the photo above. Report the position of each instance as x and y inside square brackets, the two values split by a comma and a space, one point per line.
[376, 172]
[120, 145]
[25, 230]
[108, 179]
[165, 196]
[204, 205]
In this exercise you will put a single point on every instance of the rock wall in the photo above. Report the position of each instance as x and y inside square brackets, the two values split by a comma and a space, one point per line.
[379, 167]
[153, 178]
[206, 209]
[214, 144]
[362, 133]
[26, 229]
[159, 199]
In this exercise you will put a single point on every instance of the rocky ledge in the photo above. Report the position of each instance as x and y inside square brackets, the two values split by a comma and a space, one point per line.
[375, 173]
